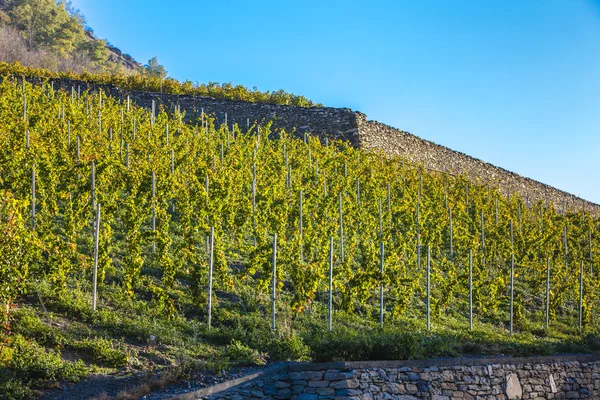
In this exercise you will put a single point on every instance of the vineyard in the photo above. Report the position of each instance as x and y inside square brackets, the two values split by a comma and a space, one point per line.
[138, 82]
[208, 229]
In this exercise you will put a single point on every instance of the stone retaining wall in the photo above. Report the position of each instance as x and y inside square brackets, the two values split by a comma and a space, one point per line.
[344, 124]
[375, 135]
[539, 378]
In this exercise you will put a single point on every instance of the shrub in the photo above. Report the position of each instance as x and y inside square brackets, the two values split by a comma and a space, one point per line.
[30, 362]
[241, 354]
[102, 351]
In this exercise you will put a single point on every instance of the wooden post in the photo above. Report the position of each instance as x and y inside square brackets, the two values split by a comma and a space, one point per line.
[153, 112]
[96, 243]
[512, 288]
[381, 258]
[547, 292]
[380, 220]
[330, 304]
[519, 217]
[428, 289]
[581, 295]
[173, 173]
[565, 243]
[69, 133]
[153, 210]
[451, 235]
[591, 254]
[93, 186]
[254, 196]
[211, 243]
[301, 227]
[470, 290]
[418, 236]
[274, 282]
[341, 229]
[33, 197]
[287, 166]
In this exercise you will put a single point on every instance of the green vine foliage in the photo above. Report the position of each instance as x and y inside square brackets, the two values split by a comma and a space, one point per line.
[140, 82]
[204, 175]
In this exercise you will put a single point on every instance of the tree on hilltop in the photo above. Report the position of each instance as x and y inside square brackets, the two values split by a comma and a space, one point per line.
[154, 70]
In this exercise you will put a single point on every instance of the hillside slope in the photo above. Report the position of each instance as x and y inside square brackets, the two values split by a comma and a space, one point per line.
[52, 34]
[408, 258]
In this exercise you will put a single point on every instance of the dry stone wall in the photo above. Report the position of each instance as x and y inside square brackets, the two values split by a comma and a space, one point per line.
[344, 124]
[576, 377]
[375, 135]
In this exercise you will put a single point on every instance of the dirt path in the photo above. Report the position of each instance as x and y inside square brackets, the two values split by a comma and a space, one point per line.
[103, 386]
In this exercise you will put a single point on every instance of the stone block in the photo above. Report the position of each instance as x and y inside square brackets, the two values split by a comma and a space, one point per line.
[513, 387]
[347, 384]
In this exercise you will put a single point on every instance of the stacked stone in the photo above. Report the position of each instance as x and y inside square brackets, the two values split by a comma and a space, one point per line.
[536, 381]
[434, 157]
[276, 387]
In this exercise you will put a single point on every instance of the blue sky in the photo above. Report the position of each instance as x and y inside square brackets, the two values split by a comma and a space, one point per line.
[515, 83]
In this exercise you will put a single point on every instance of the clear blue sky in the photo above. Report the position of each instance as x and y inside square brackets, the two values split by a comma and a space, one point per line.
[513, 82]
